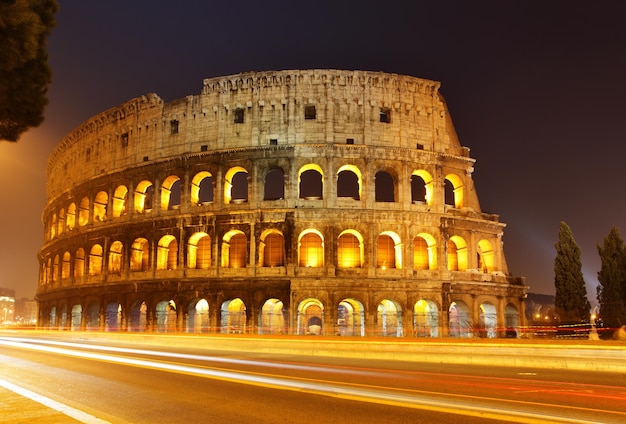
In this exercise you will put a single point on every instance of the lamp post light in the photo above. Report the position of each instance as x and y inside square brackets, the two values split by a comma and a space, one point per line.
[593, 334]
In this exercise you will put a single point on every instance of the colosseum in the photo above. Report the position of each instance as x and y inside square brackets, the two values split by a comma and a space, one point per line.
[319, 202]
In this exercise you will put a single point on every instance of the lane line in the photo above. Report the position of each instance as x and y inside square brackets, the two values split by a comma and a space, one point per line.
[77, 414]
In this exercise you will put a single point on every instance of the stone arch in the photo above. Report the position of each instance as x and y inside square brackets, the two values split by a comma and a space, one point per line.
[234, 249]
[113, 316]
[511, 321]
[389, 318]
[271, 248]
[310, 317]
[79, 263]
[459, 320]
[138, 317]
[425, 318]
[388, 250]
[350, 249]
[144, 193]
[170, 193]
[167, 253]
[424, 252]
[61, 221]
[77, 317]
[236, 185]
[349, 182]
[457, 254]
[350, 318]
[274, 184]
[485, 256]
[202, 185]
[272, 317]
[92, 317]
[66, 265]
[53, 226]
[115, 257]
[165, 315]
[488, 320]
[311, 182]
[198, 316]
[310, 249]
[140, 255]
[95, 260]
[422, 187]
[83, 212]
[454, 191]
[384, 187]
[233, 318]
[120, 200]
[70, 223]
[199, 251]
[100, 206]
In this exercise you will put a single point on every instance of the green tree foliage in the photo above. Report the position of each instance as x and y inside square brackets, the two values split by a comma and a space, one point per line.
[24, 71]
[571, 295]
[612, 278]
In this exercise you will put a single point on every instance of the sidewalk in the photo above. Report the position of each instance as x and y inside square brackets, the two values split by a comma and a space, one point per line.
[17, 409]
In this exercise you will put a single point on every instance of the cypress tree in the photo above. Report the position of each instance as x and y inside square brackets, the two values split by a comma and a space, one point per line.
[571, 295]
[612, 278]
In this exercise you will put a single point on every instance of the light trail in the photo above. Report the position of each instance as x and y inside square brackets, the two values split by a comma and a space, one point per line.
[356, 392]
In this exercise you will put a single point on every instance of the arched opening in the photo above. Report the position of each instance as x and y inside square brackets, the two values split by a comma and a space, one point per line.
[66, 265]
[233, 317]
[95, 260]
[349, 249]
[272, 249]
[144, 193]
[311, 317]
[234, 250]
[61, 221]
[384, 187]
[202, 188]
[140, 255]
[79, 263]
[55, 269]
[170, 193]
[120, 199]
[388, 251]
[274, 186]
[424, 252]
[457, 254]
[198, 317]
[113, 317]
[236, 185]
[425, 319]
[488, 320]
[454, 191]
[511, 318]
[167, 253]
[115, 257]
[310, 182]
[421, 187]
[83, 212]
[70, 218]
[349, 182]
[272, 318]
[77, 318]
[389, 314]
[53, 318]
[199, 251]
[459, 319]
[92, 319]
[486, 256]
[138, 317]
[166, 316]
[350, 318]
[53, 226]
[100, 206]
[311, 249]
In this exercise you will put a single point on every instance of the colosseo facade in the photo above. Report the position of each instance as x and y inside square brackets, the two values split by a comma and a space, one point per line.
[318, 202]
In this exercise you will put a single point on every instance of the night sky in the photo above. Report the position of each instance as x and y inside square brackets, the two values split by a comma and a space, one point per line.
[536, 90]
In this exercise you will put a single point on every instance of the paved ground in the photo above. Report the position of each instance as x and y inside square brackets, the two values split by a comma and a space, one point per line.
[17, 409]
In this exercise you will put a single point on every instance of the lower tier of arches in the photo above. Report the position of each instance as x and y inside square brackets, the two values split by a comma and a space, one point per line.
[310, 307]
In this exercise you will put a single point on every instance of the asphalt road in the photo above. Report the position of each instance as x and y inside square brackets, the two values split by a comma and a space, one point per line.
[147, 384]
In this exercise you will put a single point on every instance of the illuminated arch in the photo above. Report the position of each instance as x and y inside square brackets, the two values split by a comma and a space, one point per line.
[234, 249]
[170, 192]
[198, 317]
[425, 319]
[457, 189]
[201, 188]
[388, 250]
[79, 263]
[233, 317]
[66, 265]
[53, 226]
[486, 256]
[83, 212]
[310, 249]
[424, 252]
[272, 317]
[199, 251]
[457, 254]
[488, 320]
[70, 223]
[61, 221]
[511, 321]
[350, 318]
[311, 185]
[350, 249]
[354, 192]
[389, 322]
[100, 206]
[459, 320]
[421, 192]
[140, 255]
[95, 260]
[272, 248]
[113, 316]
[166, 316]
[120, 198]
[229, 186]
[138, 317]
[115, 257]
[167, 253]
[143, 196]
[310, 317]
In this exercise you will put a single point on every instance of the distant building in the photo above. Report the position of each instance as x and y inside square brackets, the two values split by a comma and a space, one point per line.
[7, 306]
[289, 202]
[26, 312]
